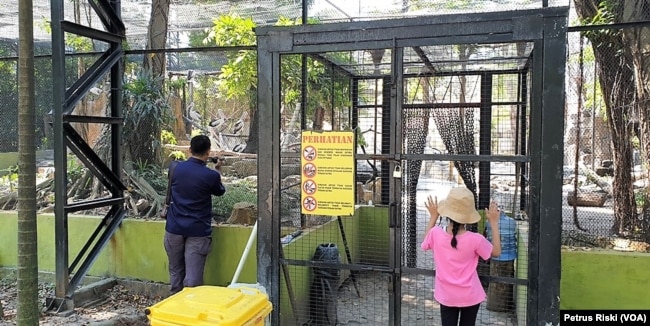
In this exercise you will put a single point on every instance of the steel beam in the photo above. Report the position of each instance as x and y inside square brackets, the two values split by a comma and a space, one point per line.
[65, 137]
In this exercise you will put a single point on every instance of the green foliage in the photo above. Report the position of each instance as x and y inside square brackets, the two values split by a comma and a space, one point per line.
[235, 193]
[11, 178]
[152, 173]
[76, 42]
[75, 168]
[608, 13]
[238, 76]
[178, 155]
[146, 112]
[176, 85]
[167, 137]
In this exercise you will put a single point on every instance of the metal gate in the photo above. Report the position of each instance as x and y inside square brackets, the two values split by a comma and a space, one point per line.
[433, 103]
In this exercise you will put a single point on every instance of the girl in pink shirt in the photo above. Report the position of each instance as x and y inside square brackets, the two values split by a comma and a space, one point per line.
[458, 289]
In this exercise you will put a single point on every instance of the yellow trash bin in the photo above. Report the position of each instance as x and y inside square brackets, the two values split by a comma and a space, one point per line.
[211, 305]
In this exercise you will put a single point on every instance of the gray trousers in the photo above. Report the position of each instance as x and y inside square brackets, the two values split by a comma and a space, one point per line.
[186, 257]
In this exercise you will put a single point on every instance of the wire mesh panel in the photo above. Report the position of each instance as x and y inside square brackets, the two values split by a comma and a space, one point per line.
[605, 157]
[466, 104]
[324, 253]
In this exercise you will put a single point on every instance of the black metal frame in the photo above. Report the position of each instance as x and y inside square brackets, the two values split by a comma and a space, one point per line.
[65, 137]
[545, 27]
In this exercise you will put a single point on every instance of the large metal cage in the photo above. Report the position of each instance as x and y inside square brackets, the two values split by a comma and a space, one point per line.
[463, 63]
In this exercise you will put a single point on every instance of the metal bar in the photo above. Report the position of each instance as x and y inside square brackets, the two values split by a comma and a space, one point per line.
[334, 65]
[551, 167]
[445, 157]
[109, 13]
[471, 61]
[117, 75]
[395, 185]
[402, 42]
[276, 178]
[60, 150]
[351, 267]
[90, 204]
[348, 256]
[425, 59]
[535, 133]
[485, 140]
[457, 105]
[194, 50]
[429, 21]
[118, 214]
[487, 278]
[602, 27]
[92, 119]
[89, 242]
[386, 132]
[97, 71]
[523, 85]
[268, 71]
[443, 105]
[92, 33]
[91, 160]
[46, 56]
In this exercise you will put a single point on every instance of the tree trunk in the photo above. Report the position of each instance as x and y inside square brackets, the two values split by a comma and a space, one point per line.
[618, 88]
[637, 41]
[28, 304]
[157, 37]
[252, 143]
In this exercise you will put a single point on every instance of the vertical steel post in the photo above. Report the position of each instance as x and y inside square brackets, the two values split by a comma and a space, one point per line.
[485, 140]
[268, 190]
[395, 186]
[60, 149]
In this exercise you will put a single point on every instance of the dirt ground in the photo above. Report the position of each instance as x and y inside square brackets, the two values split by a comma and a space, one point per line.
[120, 307]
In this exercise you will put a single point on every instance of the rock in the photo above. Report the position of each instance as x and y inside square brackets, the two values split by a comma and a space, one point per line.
[289, 169]
[142, 204]
[245, 167]
[243, 213]
[589, 199]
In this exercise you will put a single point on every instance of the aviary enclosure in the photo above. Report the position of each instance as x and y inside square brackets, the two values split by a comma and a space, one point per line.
[461, 104]
[434, 102]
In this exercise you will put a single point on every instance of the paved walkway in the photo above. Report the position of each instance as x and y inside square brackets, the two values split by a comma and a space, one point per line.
[418, 306]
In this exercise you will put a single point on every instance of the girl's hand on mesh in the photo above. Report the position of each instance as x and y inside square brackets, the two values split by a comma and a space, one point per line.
[432, 206]
[493, 212]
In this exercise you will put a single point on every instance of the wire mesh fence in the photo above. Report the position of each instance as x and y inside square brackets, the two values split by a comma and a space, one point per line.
[349, 91]
[605, 174]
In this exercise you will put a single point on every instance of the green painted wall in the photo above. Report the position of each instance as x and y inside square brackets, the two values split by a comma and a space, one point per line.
[374, 235]
[11, 158]
[604, 280]
[303, 248]
[521, 272]
[590, 279]
[135, 251]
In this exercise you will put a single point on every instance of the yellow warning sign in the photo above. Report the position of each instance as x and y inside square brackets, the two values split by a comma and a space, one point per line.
[327, 179]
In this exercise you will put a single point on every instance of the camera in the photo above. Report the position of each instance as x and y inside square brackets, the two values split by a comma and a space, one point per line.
[214, 160]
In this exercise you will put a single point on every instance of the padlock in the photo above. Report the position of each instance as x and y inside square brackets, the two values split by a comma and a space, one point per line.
[397, 173]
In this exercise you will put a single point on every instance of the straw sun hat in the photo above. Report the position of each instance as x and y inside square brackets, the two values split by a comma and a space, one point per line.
[459, 206]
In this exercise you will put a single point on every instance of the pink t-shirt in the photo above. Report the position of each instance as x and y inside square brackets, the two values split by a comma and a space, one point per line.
[457, 283]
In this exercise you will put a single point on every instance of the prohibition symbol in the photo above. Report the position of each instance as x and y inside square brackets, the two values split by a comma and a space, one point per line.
[309, 203]
[309, 170]
[309, 187]
[309, 153]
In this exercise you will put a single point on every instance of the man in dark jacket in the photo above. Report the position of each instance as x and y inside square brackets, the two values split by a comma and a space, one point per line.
[188, 231]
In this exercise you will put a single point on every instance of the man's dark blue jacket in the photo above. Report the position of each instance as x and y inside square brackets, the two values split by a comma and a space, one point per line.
[190, 209]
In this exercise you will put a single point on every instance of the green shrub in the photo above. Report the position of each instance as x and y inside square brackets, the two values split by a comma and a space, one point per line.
[167, 137]
[235, 193]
